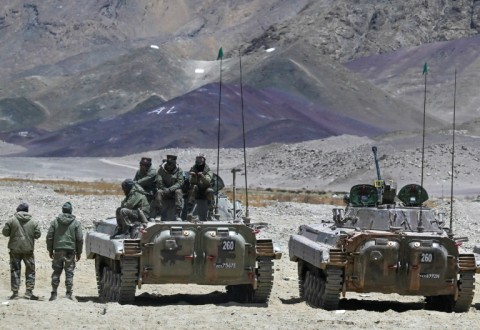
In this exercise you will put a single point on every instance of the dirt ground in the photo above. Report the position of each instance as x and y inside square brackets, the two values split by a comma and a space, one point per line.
[206, 307]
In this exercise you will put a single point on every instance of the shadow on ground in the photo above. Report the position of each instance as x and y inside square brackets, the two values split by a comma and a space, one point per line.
[368, 305]
[149, 299]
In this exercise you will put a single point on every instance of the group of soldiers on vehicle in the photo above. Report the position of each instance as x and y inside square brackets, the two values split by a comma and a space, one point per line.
[147, 194]
[64, 245]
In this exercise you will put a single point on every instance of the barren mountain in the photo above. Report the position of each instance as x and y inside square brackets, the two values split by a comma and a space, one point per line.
[66, 68]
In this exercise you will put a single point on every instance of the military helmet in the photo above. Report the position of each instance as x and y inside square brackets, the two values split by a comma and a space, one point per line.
[171, 157]
[200, 160]
[67, 208]
[127, 184]
[146, 161]
[22, 207]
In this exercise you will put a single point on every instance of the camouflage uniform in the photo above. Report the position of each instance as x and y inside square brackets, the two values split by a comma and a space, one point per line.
[200, 178]
[133, 209]
[64, 245]
[22, 231]
[169, 184]
[146, 178]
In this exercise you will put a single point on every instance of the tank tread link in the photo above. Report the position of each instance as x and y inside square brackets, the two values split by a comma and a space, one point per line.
[319, 290]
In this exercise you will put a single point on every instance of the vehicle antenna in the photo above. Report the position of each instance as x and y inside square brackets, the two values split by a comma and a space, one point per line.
[219, 57]
[378, 183]
[425, 73]
[244, 144]
[453, 153]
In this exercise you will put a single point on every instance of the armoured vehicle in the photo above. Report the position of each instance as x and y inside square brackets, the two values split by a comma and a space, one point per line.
[221, 252]
[379, 245]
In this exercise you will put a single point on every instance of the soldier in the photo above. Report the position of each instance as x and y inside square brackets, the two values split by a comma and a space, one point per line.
[64, 245]
[200, 177]
[169, 184]
[146, 177]
[22, 231]
[133, 210]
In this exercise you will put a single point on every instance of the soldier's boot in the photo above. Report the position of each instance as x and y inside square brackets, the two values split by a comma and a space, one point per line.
[117, 232]
[142, 216]
[29, 295]
[135, 231]
[69, 295]
[53, 296]
[211, 213]
[152, 215]
[191, 201]
[121, 232]
[178, 214]
[189, 211]
[14, 295]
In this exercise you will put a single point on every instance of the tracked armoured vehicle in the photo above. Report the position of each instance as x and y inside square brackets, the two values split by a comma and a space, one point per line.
[222, 252]
[379, 245]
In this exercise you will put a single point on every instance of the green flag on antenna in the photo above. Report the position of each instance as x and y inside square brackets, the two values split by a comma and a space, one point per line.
[425, 68]
[220, 54]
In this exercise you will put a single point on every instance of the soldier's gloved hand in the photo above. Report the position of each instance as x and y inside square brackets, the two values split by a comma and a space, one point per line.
[50, 254]
[77, 257]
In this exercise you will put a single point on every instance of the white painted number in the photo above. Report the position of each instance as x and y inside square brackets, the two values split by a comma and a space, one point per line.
[426, 257]
[228, 245]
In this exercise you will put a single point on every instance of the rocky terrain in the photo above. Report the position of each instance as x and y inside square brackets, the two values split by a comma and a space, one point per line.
[333, 164]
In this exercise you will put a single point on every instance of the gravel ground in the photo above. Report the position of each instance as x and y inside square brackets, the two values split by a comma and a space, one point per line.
[204, 307]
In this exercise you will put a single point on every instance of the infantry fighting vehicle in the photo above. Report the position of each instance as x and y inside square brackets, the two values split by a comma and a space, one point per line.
[222, 252]
[378, 245]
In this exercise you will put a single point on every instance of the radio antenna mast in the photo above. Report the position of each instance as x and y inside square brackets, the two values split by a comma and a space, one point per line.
[453, 153]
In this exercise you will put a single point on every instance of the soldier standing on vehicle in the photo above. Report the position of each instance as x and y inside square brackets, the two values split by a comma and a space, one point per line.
[22, 231]
[64, 245]
[200, 177]
[133, 210]
[169, 184]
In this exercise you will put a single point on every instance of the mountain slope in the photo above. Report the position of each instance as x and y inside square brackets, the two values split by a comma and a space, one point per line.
[191, 121]
[397, 73]
[77, 64]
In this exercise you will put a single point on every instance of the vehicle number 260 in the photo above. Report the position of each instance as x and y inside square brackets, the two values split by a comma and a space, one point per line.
[228, 245]
[426, 257]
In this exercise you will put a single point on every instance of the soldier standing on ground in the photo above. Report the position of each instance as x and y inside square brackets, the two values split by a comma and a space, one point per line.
[22, 231]
[64, 245]
[169, 184]
[200, 178]
[133, 210]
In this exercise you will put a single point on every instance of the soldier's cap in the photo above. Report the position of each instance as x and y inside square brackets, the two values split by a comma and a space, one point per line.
[22, 207]
[201, 156]
[146, 161]
[127, 184]
[171, 157]
[67, 208]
